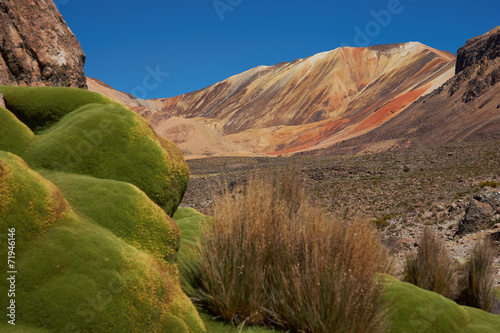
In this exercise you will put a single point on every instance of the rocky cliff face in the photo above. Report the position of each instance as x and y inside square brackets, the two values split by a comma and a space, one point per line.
[485, 47]
[478, 65]
[465, 108]
[36, 46]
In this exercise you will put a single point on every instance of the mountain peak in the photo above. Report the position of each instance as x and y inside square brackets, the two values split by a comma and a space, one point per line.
[318, 100]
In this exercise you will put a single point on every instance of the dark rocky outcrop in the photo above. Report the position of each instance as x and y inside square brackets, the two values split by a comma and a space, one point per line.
[486, 46]
[36, 46]
[478, 61]
[482, 212]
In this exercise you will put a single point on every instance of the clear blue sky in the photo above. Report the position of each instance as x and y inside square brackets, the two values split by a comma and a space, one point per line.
[125, 40]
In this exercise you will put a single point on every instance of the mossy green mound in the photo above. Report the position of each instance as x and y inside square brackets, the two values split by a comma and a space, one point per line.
[28, 203]
[86, 278]
[190, 222]
[75, 275]
[112, 142]
[41, 107]
[15, 136]
[94, 252]
[123, 209]
[413, 309]
[102, 139]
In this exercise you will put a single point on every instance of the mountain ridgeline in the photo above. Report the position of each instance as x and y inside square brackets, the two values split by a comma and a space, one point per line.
[465, 108]
[318, 101]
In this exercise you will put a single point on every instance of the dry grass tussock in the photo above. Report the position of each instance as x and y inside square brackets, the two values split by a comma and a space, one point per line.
[476, 284]
[471, 284]
[432, 268]
[273, 257]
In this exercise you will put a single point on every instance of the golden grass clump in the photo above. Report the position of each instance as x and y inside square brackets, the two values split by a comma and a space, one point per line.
[432, 268]
[477, 283]
[272, 257]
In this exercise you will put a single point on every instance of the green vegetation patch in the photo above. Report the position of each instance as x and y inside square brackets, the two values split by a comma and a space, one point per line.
[123, 209]
[417, 310]
[112, 142]
[489, 183]
[81, 277]
[383, 221]
[8, 328]
[28, 203]
[74, 275]
[190, 222]
[41, 107]
[15, 136]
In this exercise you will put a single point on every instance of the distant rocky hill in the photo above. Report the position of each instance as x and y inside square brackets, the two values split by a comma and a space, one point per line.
[193, 138]
[36, 46]
[465, 108]
[307, 104]
[318, 101]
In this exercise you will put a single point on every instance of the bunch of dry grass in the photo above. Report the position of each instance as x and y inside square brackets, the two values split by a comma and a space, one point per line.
[432, 268]
[476, 284]
[272, 257]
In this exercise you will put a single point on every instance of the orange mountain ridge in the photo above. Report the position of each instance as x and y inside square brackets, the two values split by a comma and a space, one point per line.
[307, 104]
[465, 108]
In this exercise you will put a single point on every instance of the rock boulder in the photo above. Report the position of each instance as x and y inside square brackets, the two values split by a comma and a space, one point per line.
[36, 46]
[482, 212]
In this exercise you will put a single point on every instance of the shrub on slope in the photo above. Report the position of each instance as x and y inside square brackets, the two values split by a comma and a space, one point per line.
[74, 275]
[432, 268]
[112, 142]
[190, 223]
[270, 256]
[477, 283]
[41, 107]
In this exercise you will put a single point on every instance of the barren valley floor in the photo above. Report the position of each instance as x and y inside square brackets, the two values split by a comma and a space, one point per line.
[401, 191]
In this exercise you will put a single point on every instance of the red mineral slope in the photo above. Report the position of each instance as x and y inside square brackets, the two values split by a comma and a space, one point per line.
[465, 108]
[316, 102]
